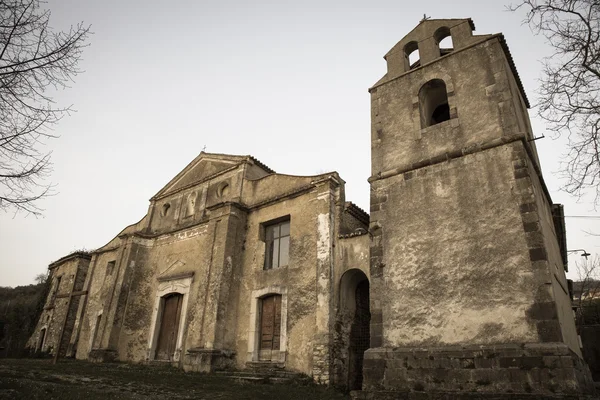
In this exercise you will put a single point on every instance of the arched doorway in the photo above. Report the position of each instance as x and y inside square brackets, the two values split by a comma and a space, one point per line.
[169, 326]
[352, 330]
[359, 336]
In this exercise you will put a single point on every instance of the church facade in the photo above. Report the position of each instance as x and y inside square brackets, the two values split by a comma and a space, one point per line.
[233, 265]
[454, 282]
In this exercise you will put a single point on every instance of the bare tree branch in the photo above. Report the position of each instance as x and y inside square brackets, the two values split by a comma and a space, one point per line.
[570, 86]
[33, 61]
[587, 291]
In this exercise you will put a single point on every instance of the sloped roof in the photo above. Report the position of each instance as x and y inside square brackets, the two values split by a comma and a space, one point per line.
[85, 254]
[357, 212]
[513, 68]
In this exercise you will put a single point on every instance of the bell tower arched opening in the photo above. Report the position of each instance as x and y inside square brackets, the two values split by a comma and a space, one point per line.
[433, 102]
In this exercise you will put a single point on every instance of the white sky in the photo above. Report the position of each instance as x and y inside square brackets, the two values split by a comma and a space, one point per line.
[284, 81]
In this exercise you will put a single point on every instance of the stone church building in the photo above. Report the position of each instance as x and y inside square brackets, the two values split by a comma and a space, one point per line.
[455, 281]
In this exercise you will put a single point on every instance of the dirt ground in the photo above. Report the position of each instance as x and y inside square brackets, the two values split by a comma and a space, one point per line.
[69, 379]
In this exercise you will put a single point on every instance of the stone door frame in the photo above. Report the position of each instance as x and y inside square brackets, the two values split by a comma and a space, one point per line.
[254, 322]
[177, 284]
[41, 341]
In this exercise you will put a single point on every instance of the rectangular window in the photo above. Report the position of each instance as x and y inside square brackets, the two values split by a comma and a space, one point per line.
[96, 329]
[110, 267]
[277, 241]
[55, 291]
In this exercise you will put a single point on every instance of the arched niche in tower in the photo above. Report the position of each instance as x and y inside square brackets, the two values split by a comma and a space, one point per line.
[433, 103]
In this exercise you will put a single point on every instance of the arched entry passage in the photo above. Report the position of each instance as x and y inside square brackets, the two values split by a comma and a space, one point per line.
[352, 328]
[359, 335]
[169, 326]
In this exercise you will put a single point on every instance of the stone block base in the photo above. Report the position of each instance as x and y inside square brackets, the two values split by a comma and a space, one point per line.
[208, 360]
[542, 369]
[102, 355]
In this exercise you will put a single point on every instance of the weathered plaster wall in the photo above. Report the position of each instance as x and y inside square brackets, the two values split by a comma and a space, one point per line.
[187, 207]
[234, 225]
[100, 286]
[455, 264]
[310, 244]
[170, 255]
[397, 137]
[352, 255]
[272, 187]
[298, 277]
[255, 172]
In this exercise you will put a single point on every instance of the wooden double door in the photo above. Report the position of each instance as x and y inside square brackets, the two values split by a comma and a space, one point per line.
[169, 327]
[270, 328]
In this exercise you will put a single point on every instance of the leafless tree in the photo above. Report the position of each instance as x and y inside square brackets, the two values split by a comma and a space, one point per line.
[34, 62]
[40, 278]
[587, 291]
[570, 86]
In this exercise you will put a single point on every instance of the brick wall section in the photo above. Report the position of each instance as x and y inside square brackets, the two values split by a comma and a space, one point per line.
[72, 270]
[321, 363]
[544, 368]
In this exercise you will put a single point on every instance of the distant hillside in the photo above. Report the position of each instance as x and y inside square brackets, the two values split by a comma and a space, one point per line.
[20, 308]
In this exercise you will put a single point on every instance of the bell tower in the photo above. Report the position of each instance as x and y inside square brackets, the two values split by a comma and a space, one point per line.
[468, 252]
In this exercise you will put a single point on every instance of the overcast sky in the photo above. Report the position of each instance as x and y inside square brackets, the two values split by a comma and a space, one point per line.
[284, 81]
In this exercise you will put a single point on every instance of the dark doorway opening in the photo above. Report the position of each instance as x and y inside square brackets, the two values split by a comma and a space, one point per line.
[351, 332]
[169, 326]
[40, 346]
[359, 336]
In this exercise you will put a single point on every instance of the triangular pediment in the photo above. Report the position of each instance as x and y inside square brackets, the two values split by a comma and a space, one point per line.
[201, 168]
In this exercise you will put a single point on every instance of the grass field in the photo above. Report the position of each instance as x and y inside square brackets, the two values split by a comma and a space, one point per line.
[69, 379]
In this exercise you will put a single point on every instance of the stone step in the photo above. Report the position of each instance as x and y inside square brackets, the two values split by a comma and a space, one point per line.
[248, 379]
[264, 365]
[258, 379]
[263, 374]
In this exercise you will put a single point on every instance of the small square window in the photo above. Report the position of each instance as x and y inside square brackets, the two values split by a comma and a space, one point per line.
[277, 244]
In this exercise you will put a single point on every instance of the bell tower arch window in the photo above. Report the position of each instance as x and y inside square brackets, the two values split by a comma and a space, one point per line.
[411, 56]
[433, 103]
[443, 38]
